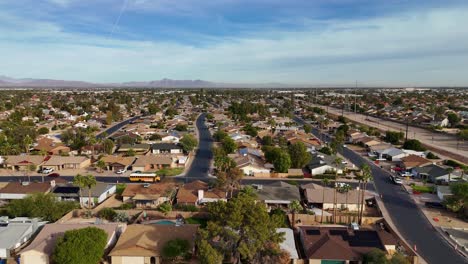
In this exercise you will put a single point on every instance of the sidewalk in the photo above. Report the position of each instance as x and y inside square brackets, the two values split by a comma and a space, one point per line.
[440, 220]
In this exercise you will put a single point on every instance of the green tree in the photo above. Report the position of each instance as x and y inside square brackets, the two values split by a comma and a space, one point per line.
[44, 206]
[220, 135]
[188, 142]
[307, 128]
[282, 161]
[337, 162]
[295, 206]
[398, 258]
[453, 118]
[458, 201]
[299, 155]
[229, 145]
[413, 144]
[375, 256]
[79, 181]
[267, 141]
[181, 127]
[393, 137]
[250, 130]
[207, 254]
[89, 183]
[108, 146]
[107, 213]
[43, 131]
[165, 208]
[463, 134]
[100, 164]
[80, 246]
[243, 230]
[365, 178]
[175, 249]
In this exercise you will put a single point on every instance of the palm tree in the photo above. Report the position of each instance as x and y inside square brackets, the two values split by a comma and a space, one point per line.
[366, 177]
[325, 182]
[345, 189]
[100, 164]
[336, 162]
[294, 206]
[79, 181]
[90, 182]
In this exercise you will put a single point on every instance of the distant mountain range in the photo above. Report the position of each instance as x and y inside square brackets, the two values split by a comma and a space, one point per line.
[164, 83]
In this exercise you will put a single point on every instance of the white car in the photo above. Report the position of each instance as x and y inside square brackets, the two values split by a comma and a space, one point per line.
[354, 226]
[121, 171]
[47, 170]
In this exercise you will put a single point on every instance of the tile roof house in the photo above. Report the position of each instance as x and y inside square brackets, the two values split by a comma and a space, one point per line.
[154, 162]
[198, 192]
[323, 197]
[19, 190]
[66, 162]
[341, 245]
[99, 193]
[251, 165]
[22, 162]
[412, 161]
[151, 196]
[42, 247]
[116, 163]
[52, 147]
[144, 243]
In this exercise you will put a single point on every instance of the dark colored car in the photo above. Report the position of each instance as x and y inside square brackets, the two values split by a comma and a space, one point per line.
[53, 175]
[435, 205]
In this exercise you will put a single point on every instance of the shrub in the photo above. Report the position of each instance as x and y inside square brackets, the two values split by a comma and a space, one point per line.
[431, 155]
[186, 208]
[108, 214]
[125, 206]
[296, 177]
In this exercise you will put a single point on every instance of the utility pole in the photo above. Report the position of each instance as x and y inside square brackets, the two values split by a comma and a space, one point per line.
[407, 123]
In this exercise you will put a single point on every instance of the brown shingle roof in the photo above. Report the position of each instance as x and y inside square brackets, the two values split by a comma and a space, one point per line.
[126, 161]
[148, 240]
[45, 241]
[414, 161]
[152, 191]
[32, 187]
[60, 160]
[24, 160]
[189, 192]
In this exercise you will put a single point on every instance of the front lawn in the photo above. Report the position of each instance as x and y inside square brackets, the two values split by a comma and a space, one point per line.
[169, 171]
[423, 189]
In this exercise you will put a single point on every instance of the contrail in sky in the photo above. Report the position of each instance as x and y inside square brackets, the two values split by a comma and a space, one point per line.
[124, 7]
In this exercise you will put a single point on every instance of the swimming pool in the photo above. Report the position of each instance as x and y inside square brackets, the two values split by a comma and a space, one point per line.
[164, 222]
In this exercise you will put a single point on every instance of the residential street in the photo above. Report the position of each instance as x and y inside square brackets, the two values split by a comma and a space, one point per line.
[201, 164]
[406, 216]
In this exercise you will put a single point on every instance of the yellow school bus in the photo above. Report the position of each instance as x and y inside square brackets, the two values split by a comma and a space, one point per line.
[144, 177]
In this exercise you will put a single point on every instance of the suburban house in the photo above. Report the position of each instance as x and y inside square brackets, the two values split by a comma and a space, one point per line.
[433, 173]
[66, 162]
[155, 162]
[251, 165]
[116, 163]
[144, 243]
[390, 153]
[412, 161]
[164, 148]
[343, 245]
[322, 197]
[16, 232]
[289, 243]
[66, 192]
[198, 193]
[51, 146]
[278, 194]
[149, 195]
[137, 148]
[321, 164]
[99, 193]
[42, 247]
[22, 162]
[19, 190]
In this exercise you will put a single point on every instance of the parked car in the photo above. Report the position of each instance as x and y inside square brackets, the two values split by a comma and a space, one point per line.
[354, 226]
[47, 170]
[121, 171]
[53, 175]
[435, 205]
[396, 180]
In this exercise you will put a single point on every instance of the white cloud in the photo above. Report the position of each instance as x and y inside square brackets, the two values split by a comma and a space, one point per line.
[425, 48]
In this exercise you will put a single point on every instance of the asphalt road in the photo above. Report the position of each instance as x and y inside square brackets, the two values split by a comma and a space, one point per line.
[116, 127]
[201, 163]
[404, 213]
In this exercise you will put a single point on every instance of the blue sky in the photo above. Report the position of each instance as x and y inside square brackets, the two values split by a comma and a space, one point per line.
[316, 42]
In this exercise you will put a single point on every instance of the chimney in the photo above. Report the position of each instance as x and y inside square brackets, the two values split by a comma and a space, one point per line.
[200, 195]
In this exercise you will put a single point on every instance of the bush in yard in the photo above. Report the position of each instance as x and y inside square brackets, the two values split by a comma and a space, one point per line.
[108, 214]
[121, 217]
[80, 246]
[176, 248]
